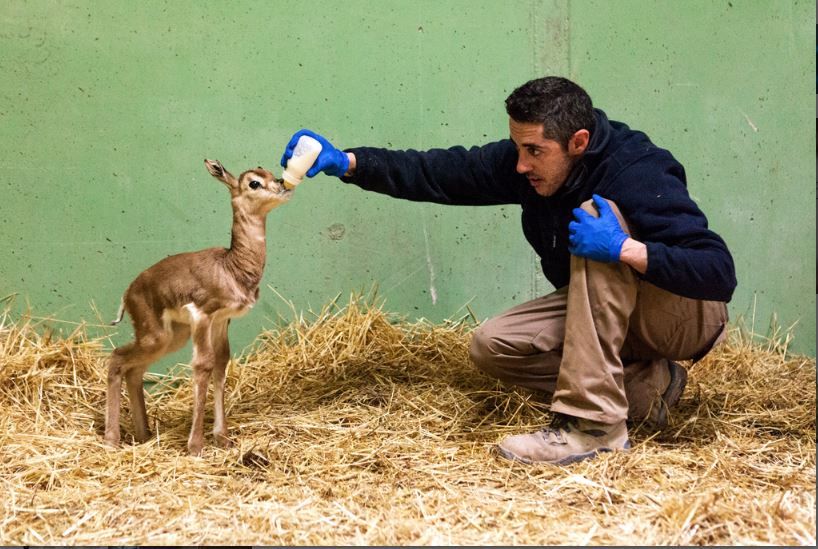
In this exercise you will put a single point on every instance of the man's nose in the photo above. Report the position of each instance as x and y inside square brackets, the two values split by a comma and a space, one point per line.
[522, 166]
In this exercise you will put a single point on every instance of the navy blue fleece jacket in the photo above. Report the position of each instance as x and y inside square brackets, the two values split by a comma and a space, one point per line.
[645, 181]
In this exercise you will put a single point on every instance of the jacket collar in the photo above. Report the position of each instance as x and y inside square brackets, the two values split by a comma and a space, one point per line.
[600, 137]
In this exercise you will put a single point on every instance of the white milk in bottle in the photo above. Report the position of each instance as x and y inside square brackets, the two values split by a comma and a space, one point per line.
[304, 155]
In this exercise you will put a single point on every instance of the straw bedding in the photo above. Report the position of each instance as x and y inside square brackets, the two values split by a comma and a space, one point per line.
[353, 426]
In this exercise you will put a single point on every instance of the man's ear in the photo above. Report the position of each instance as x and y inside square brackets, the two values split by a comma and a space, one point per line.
[219, 172]
[579, 142]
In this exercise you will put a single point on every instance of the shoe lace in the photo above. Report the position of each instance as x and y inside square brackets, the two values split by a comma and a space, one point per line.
[561, 421]
[560, 424]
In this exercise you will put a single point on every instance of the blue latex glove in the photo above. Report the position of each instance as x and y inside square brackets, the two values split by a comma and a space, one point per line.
[330, 160]
[598, 238]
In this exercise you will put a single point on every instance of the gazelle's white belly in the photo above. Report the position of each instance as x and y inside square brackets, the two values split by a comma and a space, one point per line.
[192, 315]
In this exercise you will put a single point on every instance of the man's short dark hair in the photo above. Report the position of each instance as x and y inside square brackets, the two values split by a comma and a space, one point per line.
[561, 106]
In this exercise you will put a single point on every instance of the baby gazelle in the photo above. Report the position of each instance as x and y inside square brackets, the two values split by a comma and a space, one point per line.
[195, 294]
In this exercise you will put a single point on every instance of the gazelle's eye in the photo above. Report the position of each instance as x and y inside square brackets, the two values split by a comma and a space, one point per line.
[254, 184]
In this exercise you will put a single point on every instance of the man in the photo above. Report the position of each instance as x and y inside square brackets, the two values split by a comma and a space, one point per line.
[641, 279]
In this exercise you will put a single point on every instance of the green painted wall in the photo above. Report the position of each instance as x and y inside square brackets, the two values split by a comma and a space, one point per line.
[107, 110]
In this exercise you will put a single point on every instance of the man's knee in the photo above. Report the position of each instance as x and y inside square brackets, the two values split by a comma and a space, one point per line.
[480, 351]
[590, 207]
[487, 351]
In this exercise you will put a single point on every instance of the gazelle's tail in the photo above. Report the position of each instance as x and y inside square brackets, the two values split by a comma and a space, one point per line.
[120, 313]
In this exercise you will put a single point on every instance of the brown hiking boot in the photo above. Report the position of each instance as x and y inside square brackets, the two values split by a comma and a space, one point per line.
[657, 417]
[568, 440]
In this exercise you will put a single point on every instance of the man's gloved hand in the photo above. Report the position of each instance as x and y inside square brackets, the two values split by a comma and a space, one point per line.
[598, 238]
[331, 161]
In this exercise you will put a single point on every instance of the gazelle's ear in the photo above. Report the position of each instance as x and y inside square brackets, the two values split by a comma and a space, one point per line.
[217, 170]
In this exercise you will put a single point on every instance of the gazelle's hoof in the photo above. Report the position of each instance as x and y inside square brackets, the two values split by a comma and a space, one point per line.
[223, 441]
[195, 448]
[142, 438]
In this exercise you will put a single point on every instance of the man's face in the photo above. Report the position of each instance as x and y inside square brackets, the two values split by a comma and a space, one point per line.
[543, 161]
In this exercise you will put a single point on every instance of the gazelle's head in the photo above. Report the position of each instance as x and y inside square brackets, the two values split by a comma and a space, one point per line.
[255, 191]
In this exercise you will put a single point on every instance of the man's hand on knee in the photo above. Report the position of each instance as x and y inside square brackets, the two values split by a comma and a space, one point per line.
[598, 238]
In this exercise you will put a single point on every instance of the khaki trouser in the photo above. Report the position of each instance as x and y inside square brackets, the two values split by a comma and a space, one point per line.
[600, 345]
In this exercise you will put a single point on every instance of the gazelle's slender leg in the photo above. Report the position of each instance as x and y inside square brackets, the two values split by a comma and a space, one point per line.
[114, 394]
[149, 344]
[221, 352]
[177, 335]
[136, 395]
[130, 361]
[202, 366]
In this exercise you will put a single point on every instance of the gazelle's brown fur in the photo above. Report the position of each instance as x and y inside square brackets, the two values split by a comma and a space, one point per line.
[195, 295]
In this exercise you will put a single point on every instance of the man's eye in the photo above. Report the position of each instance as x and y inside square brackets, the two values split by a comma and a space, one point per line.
[534, 151]
[255, 185]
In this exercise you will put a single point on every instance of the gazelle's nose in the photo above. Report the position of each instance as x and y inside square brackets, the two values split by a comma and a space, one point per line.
[280, 187]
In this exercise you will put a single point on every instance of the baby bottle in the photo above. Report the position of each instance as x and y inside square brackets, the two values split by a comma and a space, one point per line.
[304, 154]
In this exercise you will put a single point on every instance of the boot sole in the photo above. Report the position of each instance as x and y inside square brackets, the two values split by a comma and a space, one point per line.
[567, 460]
